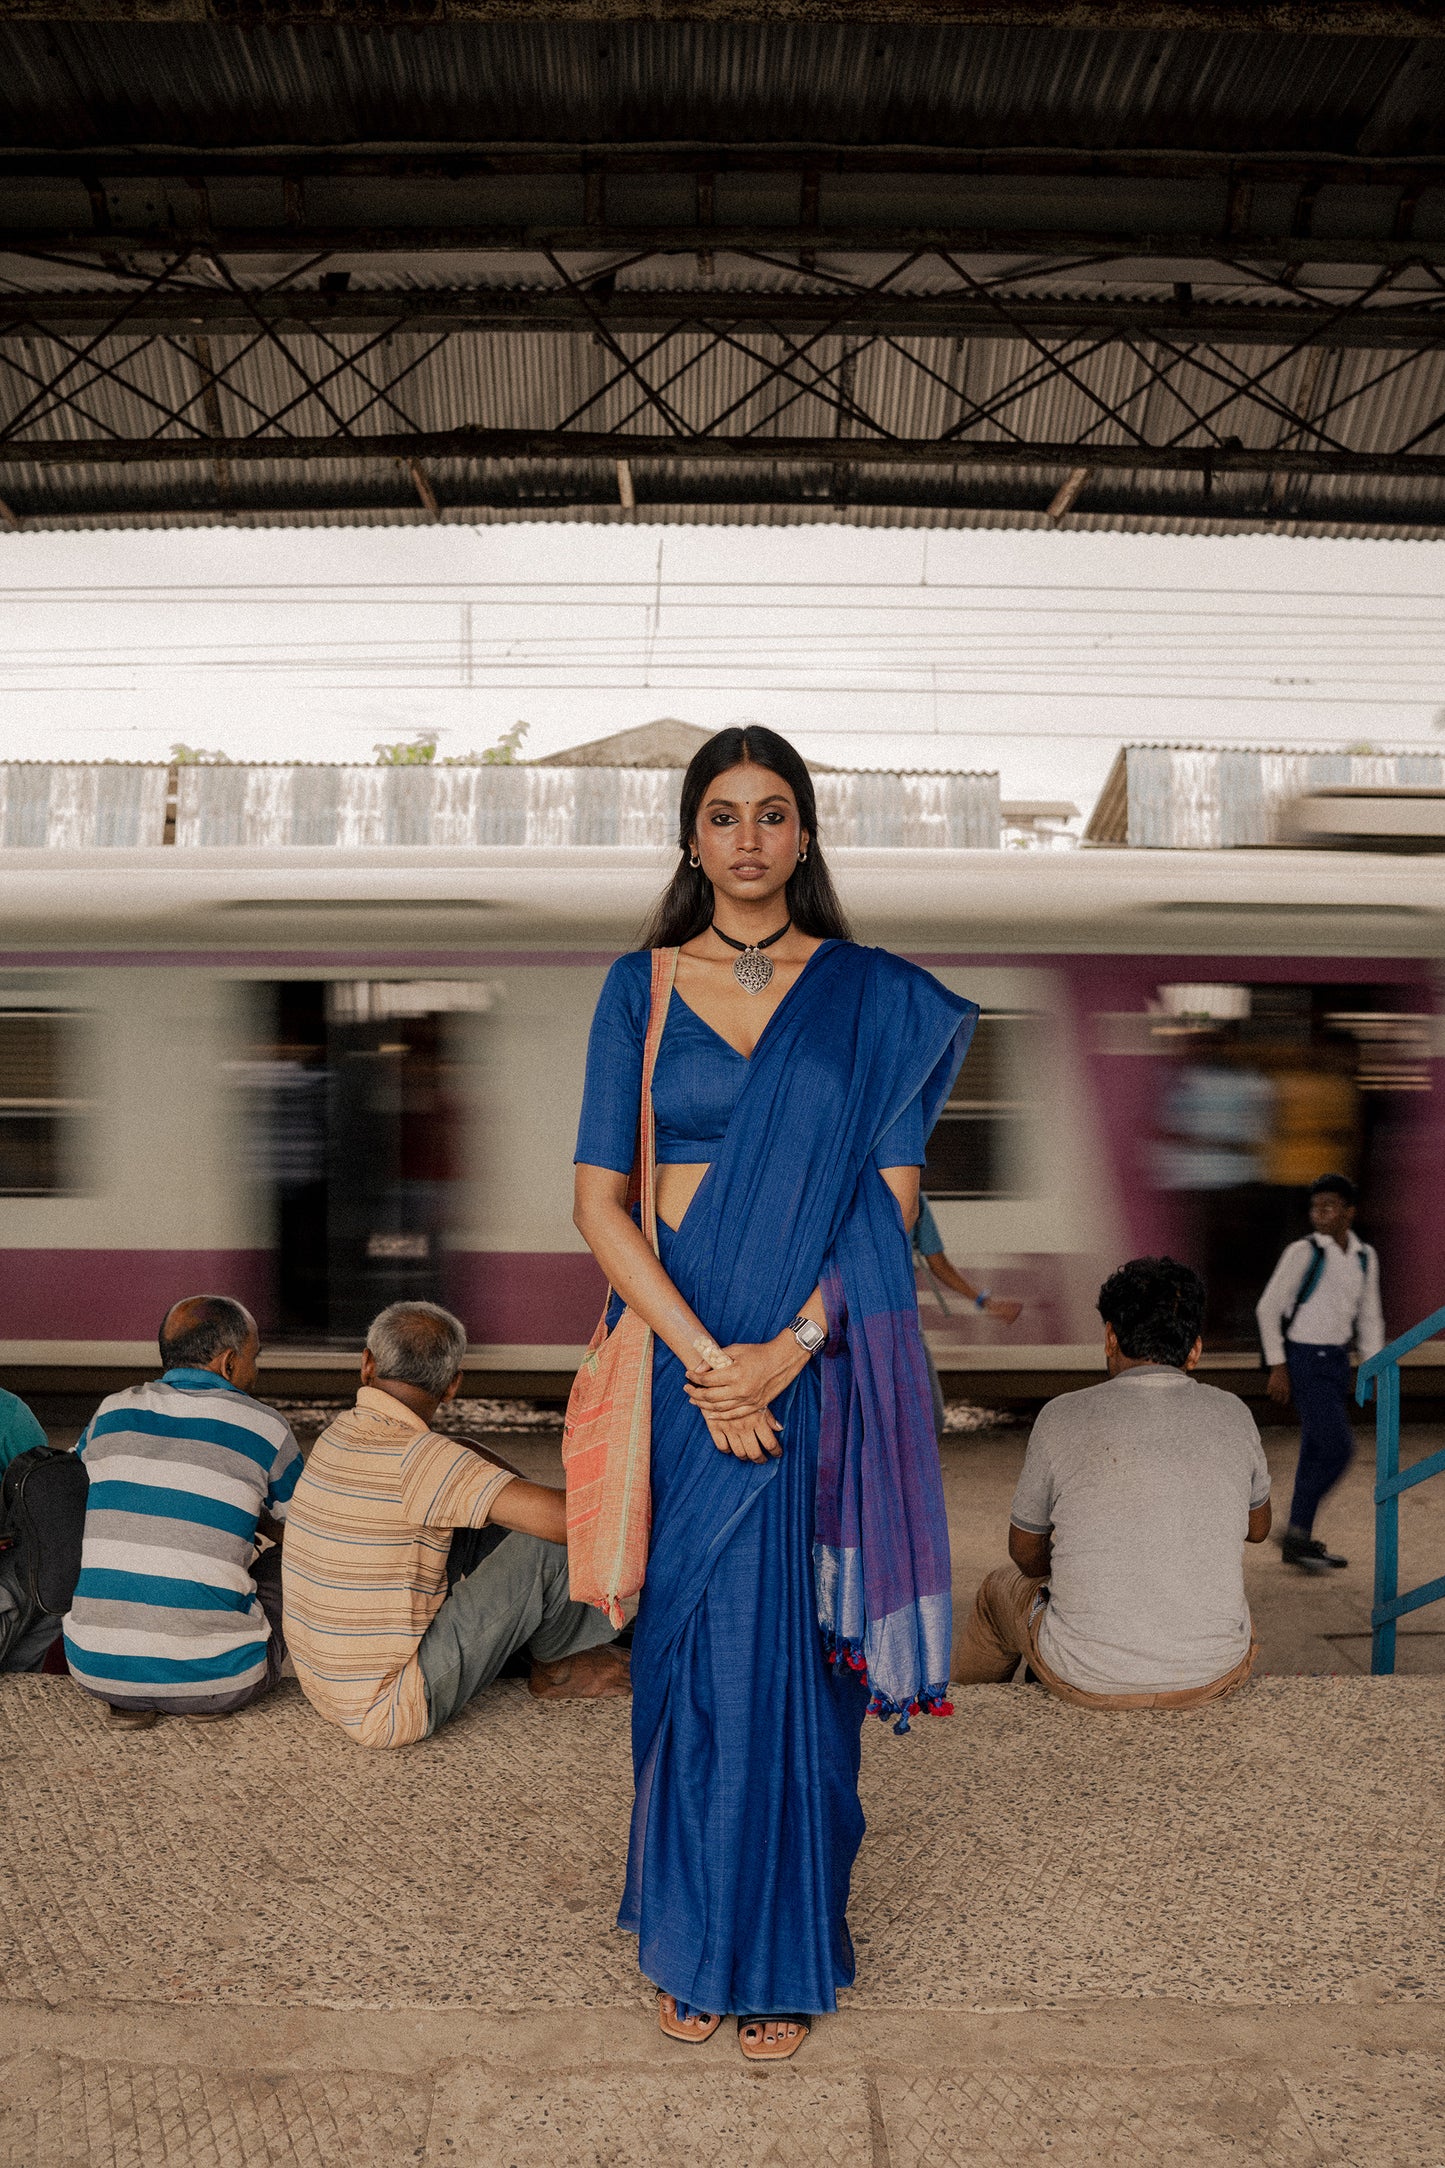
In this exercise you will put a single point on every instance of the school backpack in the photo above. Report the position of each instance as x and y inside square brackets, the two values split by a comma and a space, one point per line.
[1315, 1272]
[42, 1521]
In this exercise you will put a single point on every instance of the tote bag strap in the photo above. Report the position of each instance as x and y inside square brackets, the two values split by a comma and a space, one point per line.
[664, 971]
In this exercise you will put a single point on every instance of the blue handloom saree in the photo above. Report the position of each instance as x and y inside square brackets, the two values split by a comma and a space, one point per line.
[778, 1597]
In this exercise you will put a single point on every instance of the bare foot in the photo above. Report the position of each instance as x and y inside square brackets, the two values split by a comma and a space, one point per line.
[594, 1675]
[696, 2028]
[772, 2039]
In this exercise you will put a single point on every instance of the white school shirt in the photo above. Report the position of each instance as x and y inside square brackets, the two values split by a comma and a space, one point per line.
[1344, 1307]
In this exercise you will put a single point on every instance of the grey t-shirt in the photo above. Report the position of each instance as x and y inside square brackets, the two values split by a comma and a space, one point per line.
[1147, 1483]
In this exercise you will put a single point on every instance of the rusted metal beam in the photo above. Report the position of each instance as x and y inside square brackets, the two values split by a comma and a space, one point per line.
[961, 494]
[1307, 18]
[122, 164]
[881, 237]
[487, 445]
[1395, 326]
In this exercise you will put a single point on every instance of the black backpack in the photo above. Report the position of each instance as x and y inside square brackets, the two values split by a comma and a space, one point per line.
[42, 1521]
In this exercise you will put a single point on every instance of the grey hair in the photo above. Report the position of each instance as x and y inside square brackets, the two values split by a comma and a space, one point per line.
[217, 1322]
[417, 1343]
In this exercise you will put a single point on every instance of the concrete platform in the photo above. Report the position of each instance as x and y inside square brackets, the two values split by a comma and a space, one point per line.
[1194, 1939]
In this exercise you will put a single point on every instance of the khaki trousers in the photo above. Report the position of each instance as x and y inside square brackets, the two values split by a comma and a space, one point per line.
[1003, 1629]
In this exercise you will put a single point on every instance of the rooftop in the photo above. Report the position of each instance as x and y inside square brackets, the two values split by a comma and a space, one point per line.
[1116, 264]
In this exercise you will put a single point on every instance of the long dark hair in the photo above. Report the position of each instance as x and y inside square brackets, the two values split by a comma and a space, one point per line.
[684, 909]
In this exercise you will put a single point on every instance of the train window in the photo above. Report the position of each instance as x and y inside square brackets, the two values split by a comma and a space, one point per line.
[977, 1147]
[38, 1106]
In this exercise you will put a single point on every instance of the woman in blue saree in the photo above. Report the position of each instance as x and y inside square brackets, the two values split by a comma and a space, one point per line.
[798, 1572]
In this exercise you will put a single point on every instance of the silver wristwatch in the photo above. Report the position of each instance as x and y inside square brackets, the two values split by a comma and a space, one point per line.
[810, 1337]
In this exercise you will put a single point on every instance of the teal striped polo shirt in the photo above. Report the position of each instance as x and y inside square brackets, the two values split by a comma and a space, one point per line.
[180, 1471]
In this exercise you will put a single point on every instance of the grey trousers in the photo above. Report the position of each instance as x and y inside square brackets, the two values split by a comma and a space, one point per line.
[28, 1650]
[266, 1573]
[514, 1598]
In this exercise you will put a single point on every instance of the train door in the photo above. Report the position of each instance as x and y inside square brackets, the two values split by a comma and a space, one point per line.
[358, 1109]
[1268, 1086]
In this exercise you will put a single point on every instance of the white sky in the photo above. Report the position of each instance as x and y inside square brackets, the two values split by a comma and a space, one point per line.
[1036, 654]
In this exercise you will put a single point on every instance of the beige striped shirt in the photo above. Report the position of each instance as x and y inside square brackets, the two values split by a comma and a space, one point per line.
[364, 1563]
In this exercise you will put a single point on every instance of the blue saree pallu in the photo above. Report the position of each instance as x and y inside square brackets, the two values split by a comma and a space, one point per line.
[780, 1597]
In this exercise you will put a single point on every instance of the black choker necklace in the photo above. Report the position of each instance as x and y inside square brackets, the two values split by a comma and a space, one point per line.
[753, 969]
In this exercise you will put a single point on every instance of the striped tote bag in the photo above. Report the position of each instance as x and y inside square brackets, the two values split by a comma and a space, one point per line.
[607, 1439]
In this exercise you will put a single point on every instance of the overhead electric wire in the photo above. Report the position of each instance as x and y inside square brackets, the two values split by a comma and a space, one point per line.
[1002, 731]
[1229, 650]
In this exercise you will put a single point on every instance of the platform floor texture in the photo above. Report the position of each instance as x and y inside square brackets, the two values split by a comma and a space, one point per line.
[1149, 1941]
[1188, 1939]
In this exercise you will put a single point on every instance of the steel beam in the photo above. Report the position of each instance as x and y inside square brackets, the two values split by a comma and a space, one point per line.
[488, 445]
[1319, 18]
[883, 238]
[1393, 326]
[444, 160]
[482, 496]
[959, 493]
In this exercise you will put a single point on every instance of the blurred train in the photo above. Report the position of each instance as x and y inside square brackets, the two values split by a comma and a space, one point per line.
[320, 1079]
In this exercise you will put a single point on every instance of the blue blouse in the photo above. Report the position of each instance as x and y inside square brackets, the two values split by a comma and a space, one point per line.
[695, 1085]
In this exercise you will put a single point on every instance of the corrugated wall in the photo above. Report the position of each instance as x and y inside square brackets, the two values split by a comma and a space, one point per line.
[80, 806]
[1192, 798]
[548, 806]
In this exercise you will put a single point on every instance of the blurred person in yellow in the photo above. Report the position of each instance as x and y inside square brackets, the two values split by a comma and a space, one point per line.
[1316, 1122]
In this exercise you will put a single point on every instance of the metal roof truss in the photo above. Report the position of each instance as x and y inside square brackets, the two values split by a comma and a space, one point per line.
[192, 334]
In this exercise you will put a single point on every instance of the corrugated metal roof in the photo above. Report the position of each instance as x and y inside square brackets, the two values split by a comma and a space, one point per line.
[909, 389]
[96, 83]
[1205, 798]
[1031, 131]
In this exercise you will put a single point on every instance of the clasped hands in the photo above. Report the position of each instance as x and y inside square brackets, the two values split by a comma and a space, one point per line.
[735, 1402]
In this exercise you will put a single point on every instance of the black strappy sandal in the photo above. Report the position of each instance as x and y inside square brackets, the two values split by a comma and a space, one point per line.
[760, 2050]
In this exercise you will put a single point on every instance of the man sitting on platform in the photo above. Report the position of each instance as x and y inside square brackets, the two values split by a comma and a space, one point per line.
[174, 1614]
[1127, 1584]
[416, 1566]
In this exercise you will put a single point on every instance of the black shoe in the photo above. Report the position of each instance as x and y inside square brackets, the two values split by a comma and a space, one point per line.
[1309, 1553]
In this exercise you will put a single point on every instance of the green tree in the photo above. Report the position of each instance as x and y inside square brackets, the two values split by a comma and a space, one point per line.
[504, 754]
[507, 750]
[417, 752]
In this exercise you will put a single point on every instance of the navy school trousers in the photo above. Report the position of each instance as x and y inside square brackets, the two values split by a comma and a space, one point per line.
[1320, 1381]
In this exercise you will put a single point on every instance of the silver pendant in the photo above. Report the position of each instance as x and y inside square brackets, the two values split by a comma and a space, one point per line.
[753, 970]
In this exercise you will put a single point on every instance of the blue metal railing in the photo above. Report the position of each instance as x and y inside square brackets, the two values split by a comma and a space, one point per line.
[1382, 1373]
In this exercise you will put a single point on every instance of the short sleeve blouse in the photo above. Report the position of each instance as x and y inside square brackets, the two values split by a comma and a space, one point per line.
[695, 1084]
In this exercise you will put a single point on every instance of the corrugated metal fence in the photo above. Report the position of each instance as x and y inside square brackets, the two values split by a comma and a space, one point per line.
[1196, 799]
[75, 806]
[80, 806]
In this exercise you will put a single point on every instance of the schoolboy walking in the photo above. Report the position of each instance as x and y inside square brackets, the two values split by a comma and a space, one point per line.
[1323, 1297]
